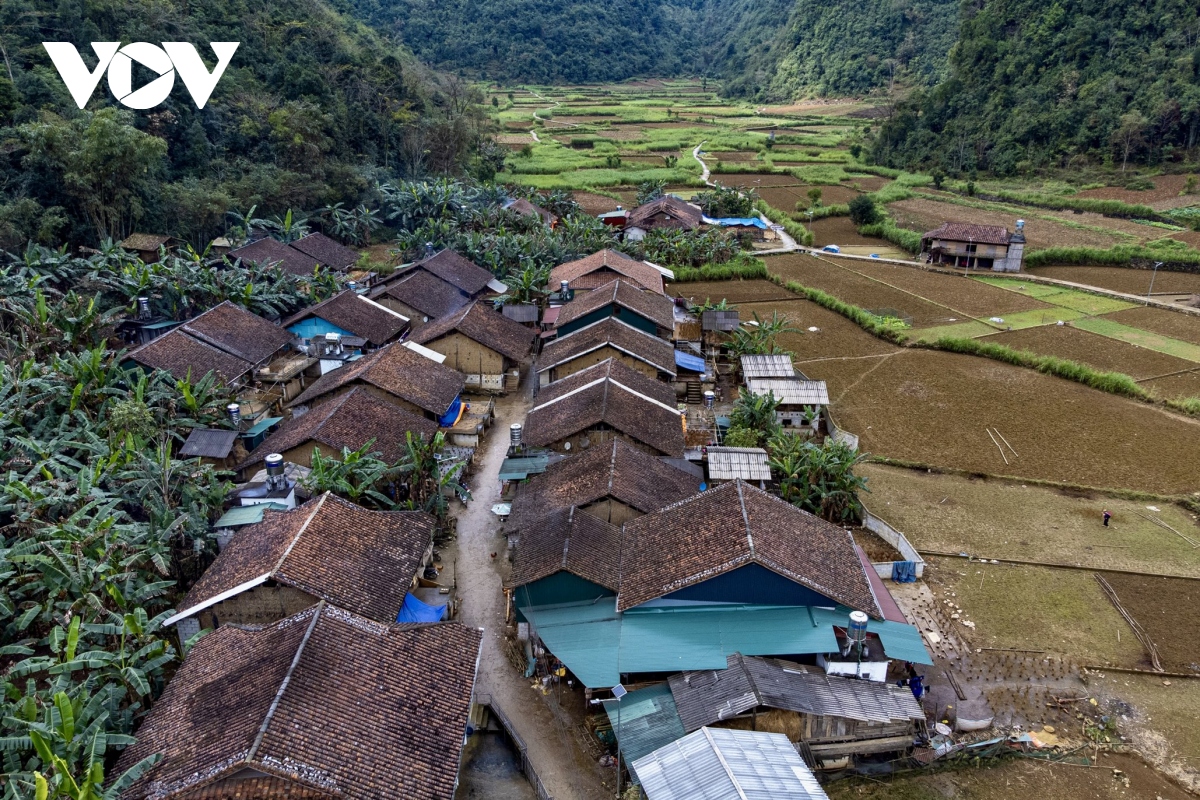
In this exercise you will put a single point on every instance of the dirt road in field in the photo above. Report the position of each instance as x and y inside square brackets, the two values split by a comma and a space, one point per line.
[568, 774]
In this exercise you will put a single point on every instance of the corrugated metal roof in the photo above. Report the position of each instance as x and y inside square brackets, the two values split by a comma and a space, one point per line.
[208, 443]
[262, 425]
[767, 367]
[644, 721]
[719, 321]
[521, 312]
[246, 515]
[703, 698]
[747, 463]
[791, 391]
[598, 644]
[721, 764]
[518, 469]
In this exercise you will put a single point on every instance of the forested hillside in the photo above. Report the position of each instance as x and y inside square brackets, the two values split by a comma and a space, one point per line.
[783, 49]
[1071, 83]
[543, 41]
[312, 108]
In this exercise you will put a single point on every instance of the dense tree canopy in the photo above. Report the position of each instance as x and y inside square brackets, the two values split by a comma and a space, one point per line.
[312, 109]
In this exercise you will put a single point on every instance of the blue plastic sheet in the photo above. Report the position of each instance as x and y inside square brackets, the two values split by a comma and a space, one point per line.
[451, 415]
[904, 571]
[688, 361]
[414, 610]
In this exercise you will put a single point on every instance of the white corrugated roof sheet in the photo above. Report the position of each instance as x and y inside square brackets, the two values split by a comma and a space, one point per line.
[721, 764]
[791, 391]
[779, 366]
[747, 463]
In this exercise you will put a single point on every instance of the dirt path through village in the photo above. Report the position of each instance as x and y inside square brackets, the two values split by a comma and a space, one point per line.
[568, 774]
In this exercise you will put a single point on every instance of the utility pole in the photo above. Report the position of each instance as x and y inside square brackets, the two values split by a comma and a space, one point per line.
[1153, 275]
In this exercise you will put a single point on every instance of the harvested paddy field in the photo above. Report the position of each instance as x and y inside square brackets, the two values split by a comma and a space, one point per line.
[950, 290]
[1055, 611]
[595, 203]
[1168, 609]
[1174, 324]
[736, 292]
[1186, 384]
[1002, 519]
[736, 155]
[1167, 193]
[1110, 355]
[925, 214]
[1123, 279]
[785, 198]
[837, 340]
[841, 231]
[934, 408]
[753, 179]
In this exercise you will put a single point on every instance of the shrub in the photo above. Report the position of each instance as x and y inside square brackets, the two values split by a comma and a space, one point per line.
[863, 211]
[1188, 405]
[901, 237]
[742, 437]
[744, 267]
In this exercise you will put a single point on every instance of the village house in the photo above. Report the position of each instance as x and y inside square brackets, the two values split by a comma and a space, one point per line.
[398, 374]
[611, 337]
[214, 446]
[767, 366]
[601, 268]
[750, 464]
[526, 314]
[421, 296]
[525, 208]
[471, 280]
[726, 765]
[484, 345]
[146, 245]
[730, 570]
[605, 402]
[615, 482]
[666, 213]
[327, 252]
[267, 252]
[349, 316]
[227, 339]
[646, 311]
[741, 227]
[959, 244]
[327, 549]
[349, 421]
[801, 401]
[567, 556]
[324, 704]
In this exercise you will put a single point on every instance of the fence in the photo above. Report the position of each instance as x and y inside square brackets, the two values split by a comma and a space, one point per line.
[881, 528]
[519, 744]
[839, 435]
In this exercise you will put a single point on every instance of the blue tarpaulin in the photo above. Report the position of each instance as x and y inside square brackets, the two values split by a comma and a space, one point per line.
[904, 571]
[414, 610]
[451, 415]
[688, 361]
[741, 222]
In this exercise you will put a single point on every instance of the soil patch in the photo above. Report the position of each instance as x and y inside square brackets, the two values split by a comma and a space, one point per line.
[1184, 385]
[836, 340]
[1175, 324]
[1169, 611]
[1167, 193]
[595, 203]
[785, 198]
[934, 407]
[1119, 279]
[735, 291]
[1097, 351]
[877, 550]
[1000, 519]
[868, 183]
[923, 214]
[841, 231]
[736, 155]
[980, 300]
[754, 179]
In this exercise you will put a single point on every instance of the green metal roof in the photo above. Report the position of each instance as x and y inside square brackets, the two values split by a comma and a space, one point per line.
[262, 425]
[518, 469]
[168, 323]
[900, 641]
[246, 515]
[645, 720]
[597, 644]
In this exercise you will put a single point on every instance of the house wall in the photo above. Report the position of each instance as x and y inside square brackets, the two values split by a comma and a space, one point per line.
[561, 587]
[483, 366]
[816, 729]
[302, 455]
[416, 319]
[261, 605]
[603, 313]
[595, 357]
[612, 511]
[599, 436]
[981, 250]
[752, 584]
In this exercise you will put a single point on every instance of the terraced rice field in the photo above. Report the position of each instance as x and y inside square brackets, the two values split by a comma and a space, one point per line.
[1100, 352]
[1122, 279]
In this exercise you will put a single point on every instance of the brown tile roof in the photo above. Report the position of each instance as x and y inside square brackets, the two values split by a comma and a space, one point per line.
[729, 527]
[269, 251]
[603, 267]
[684, 215]
[489, 328]
[256, 788]
[353, 312]
[335, 550]
[571, 540]
[523, 206]
[349, 421]
[637, 479]
[611, 394]
[457, 271]
[964, 232]
[178, 353]
[612, 331]
[398, 371]
[330, 253]
[238, 331]
[324, 699]
[425, 292]
[654, 307]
